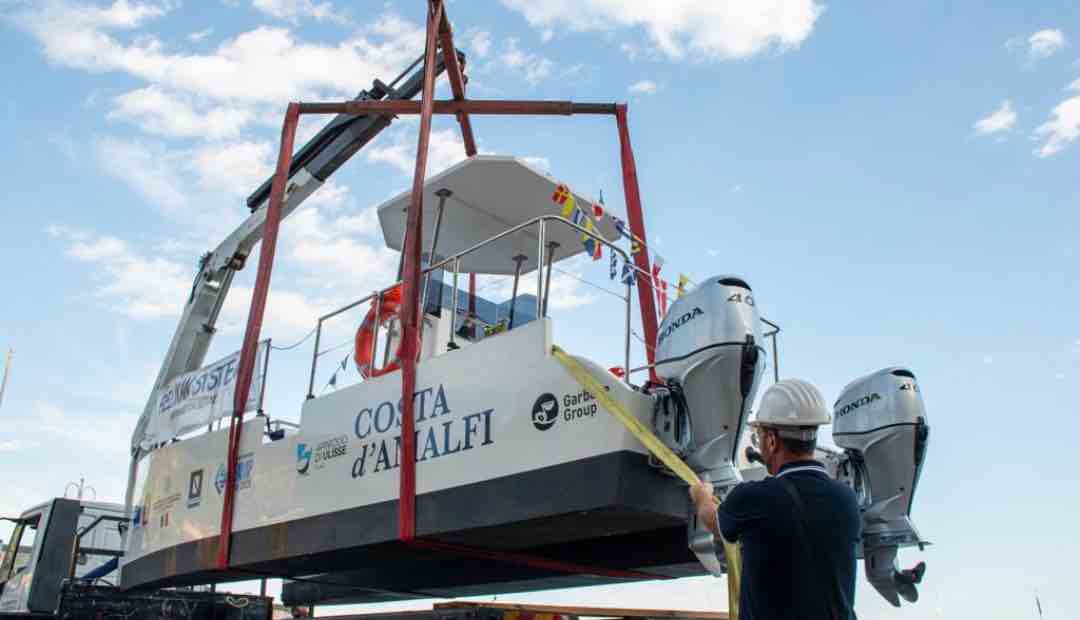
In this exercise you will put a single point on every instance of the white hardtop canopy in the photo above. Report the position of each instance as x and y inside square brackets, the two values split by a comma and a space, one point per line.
[491, 194]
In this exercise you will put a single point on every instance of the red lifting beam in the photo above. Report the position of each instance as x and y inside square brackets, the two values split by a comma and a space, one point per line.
[254, 325]
[451, 106]
[457, 82]
[632, 195]
[410, 310]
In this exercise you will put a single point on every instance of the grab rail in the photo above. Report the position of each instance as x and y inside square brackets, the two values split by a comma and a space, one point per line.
[542, 291]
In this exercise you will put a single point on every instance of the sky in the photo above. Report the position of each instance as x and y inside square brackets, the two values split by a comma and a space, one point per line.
[898, 183]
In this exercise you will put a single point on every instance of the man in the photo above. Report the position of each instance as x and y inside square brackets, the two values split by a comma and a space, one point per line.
[798, 528]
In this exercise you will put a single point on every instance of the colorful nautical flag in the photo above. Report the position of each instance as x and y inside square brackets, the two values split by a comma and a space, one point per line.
[680, 287]
[577, 216]
[562, 192]
[661, 298]
[659, 285]
[613, 268]
[563, 196]
[589, 240]
[620, 227]
[628, 274]
[598, 207]
[635, 247]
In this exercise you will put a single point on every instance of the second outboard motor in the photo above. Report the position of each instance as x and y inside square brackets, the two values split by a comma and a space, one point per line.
[710, 356]
[880, 422]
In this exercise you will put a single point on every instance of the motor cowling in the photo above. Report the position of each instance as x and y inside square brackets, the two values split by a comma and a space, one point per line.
[880, 422]
[709, 349]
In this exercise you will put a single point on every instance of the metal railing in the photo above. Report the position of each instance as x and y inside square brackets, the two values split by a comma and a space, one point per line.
[543, 281]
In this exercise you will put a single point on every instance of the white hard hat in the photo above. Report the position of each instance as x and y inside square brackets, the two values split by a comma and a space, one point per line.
[792, 402]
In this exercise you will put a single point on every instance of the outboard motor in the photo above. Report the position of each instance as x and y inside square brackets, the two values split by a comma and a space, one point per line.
[710, 356]
[880, 422]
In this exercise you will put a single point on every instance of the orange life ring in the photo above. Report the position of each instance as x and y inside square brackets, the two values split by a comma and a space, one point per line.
[365, 335]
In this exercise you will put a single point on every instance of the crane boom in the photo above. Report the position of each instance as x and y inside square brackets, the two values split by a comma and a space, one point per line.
[312, 165]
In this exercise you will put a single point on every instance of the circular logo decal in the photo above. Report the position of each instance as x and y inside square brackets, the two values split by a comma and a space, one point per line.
[545, 411]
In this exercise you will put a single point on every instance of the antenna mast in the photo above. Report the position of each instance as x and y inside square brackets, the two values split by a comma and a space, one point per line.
[7, 371]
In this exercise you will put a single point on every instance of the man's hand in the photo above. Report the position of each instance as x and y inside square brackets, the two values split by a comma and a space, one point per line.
[705, 505]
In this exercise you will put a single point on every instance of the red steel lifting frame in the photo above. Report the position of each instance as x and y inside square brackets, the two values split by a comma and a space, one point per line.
[437, 24]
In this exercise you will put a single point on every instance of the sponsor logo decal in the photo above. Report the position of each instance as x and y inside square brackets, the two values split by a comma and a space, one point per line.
[162, 507]
[545, 411]
[245, 464]
[679, 322]
[303, 458]
[308, 457]
[855, 404]
[438, 432]
[195, 486]
[570, 407]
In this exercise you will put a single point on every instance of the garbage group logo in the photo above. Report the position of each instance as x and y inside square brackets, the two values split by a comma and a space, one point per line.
[571, 407]
[545, 411]
[303, 458]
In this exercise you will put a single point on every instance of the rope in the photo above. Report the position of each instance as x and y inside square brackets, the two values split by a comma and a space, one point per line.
[296, 344]
[584, 281]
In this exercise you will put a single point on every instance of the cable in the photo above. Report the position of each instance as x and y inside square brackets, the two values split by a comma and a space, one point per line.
[296, 344]
[584, 281]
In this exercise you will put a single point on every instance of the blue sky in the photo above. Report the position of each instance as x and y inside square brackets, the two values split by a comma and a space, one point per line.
[898, 184]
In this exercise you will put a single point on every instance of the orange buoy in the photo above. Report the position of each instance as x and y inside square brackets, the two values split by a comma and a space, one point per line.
[389, 309]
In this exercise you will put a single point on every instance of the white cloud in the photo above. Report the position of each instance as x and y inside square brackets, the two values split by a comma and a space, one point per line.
[294, 10]
[445, 149]
[1061, 129]
[188, 183]
[262, 65]
[1001, 119]
[541, 163]
[713, 30]
[148, 169]
[1045, 43]
[199, 35]
[14, 445]
[175, 115]
[94, 430]
[988, 359]
[630, 50]
[132, 284]
[533, 67]
[643, 87]
[232, 168]
[479, 41]
[1074, 86]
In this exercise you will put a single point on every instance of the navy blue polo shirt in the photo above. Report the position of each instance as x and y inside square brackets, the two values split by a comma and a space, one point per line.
[778, 578]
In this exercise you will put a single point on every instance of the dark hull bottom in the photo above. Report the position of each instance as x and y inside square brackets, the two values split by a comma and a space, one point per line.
[611, 511]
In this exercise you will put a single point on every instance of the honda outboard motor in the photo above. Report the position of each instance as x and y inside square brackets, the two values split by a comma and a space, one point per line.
[880, 422]
[709, 354]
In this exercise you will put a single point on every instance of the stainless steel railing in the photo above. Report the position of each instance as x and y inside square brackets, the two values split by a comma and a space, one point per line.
[543, 281]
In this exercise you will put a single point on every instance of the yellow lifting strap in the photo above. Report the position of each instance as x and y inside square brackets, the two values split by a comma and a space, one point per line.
[661, 452]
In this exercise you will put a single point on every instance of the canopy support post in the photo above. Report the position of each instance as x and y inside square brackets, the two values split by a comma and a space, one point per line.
[520, 258]
[551, 247]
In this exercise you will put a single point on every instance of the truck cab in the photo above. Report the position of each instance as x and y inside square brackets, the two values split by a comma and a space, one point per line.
[54, 541]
